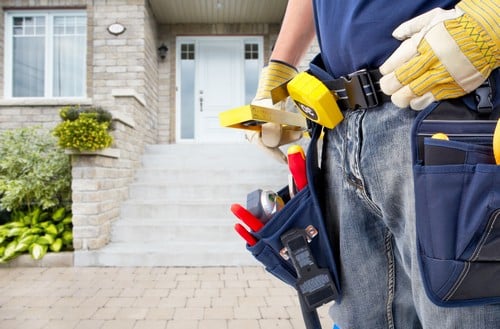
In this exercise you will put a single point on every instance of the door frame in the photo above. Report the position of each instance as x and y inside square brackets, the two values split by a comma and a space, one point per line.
[194, 39]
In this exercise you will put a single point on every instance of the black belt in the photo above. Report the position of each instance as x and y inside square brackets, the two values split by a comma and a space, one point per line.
[358, 90]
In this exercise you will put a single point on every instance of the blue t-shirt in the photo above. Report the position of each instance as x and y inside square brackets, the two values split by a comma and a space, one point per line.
[356, 34]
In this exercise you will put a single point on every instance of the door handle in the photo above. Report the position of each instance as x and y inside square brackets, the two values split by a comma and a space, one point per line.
[201, 100]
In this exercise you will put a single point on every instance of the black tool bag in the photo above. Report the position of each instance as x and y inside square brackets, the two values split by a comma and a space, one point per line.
[457, 195]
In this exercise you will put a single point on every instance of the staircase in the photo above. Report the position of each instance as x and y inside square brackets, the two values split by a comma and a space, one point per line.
[178, 212]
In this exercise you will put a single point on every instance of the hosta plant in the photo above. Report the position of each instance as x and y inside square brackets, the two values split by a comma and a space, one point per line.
[36, 232]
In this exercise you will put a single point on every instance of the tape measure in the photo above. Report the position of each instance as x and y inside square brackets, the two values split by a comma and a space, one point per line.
[315, 100]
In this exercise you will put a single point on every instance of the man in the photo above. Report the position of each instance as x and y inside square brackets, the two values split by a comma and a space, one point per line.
[368, 181]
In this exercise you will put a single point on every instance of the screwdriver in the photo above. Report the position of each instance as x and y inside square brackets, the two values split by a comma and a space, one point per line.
[297, 165]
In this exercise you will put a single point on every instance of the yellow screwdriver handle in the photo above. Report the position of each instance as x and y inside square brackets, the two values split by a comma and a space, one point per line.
[496, 143]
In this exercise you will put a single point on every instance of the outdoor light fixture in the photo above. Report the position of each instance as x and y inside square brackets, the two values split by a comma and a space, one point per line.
[162, 51]
[116, 29]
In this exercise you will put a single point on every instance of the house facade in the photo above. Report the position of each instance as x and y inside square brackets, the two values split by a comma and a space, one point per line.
[163, 68]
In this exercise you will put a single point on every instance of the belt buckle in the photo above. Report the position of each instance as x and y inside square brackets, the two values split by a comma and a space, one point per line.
[360, 90]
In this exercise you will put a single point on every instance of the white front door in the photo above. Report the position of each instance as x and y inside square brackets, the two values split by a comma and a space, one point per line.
[216, 74]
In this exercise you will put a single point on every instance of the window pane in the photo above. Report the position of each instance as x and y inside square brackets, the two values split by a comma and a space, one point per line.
[28, 70]
[187, 51]
[69, 66]
[252, 71]
[69, 58]
[251, 51]
[28, 53]
[187, 99]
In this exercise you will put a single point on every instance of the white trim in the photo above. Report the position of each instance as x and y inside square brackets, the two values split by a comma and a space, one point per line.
[49, 36]
[195, 39]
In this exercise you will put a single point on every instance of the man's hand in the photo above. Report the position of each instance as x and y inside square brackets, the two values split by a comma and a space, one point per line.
[445, 54]
[272, 135]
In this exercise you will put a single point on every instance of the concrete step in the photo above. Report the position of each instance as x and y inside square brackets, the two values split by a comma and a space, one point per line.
[178, 211]
[168, 253]
[213, 157]
[188, 230]
[193, 191]
[161, 209]
[213, 176]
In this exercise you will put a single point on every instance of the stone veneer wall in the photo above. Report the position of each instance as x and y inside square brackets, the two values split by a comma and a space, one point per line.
[122, 77]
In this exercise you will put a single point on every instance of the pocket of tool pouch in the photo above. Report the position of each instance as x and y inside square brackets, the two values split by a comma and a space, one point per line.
[459, 207]
[296, 213]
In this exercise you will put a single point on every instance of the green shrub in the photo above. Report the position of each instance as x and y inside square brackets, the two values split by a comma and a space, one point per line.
[84, 129]
[33, 170]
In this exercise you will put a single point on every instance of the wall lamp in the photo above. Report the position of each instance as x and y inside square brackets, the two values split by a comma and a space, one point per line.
[162, 51]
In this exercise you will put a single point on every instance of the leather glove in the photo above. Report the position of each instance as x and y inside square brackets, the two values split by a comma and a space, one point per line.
[445, 54]
[273, 135]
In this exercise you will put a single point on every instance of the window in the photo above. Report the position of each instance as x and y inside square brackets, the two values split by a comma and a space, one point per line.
[187, 90]
[251, 51]
[252, 70]
[187, 51]
[46, 54]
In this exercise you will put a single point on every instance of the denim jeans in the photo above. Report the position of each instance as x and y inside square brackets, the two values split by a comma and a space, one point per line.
[369, 211]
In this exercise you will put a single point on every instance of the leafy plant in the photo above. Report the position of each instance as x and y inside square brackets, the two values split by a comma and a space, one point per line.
[84, 129]
[33, 170]
[36, 232]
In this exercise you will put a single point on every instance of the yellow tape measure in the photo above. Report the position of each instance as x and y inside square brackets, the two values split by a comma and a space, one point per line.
[496, 143]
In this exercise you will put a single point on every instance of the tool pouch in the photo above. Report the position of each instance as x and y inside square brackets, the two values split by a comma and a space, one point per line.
[299, 212]
[457, 195]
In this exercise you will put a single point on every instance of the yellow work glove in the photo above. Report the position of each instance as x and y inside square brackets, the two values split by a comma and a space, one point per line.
[445, 54]
[272, 135]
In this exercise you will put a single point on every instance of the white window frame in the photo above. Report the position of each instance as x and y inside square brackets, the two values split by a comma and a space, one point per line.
[49, 38]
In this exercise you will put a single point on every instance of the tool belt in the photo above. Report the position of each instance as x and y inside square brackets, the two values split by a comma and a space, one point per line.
[323, 99]
[360, 89]
[457, 200]
[302, 212]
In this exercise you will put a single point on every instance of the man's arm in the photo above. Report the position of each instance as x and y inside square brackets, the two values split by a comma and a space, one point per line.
[296, 34]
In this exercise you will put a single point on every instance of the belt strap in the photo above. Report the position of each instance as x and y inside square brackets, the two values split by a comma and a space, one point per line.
[360, 89]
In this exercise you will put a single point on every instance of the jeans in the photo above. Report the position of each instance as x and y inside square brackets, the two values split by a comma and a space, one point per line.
[369, 212]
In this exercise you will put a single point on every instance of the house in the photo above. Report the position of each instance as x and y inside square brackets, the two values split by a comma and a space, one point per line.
[164, 68]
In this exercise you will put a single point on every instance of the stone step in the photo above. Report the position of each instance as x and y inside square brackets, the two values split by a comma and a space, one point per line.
[161, 209]
[215, 157]
[213, 176]
[194, 191]
[178, 210]
[168, 253]
[188, 230]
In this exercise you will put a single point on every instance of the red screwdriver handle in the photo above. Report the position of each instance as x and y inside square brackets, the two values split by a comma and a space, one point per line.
[247, 236]
[247, 217]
